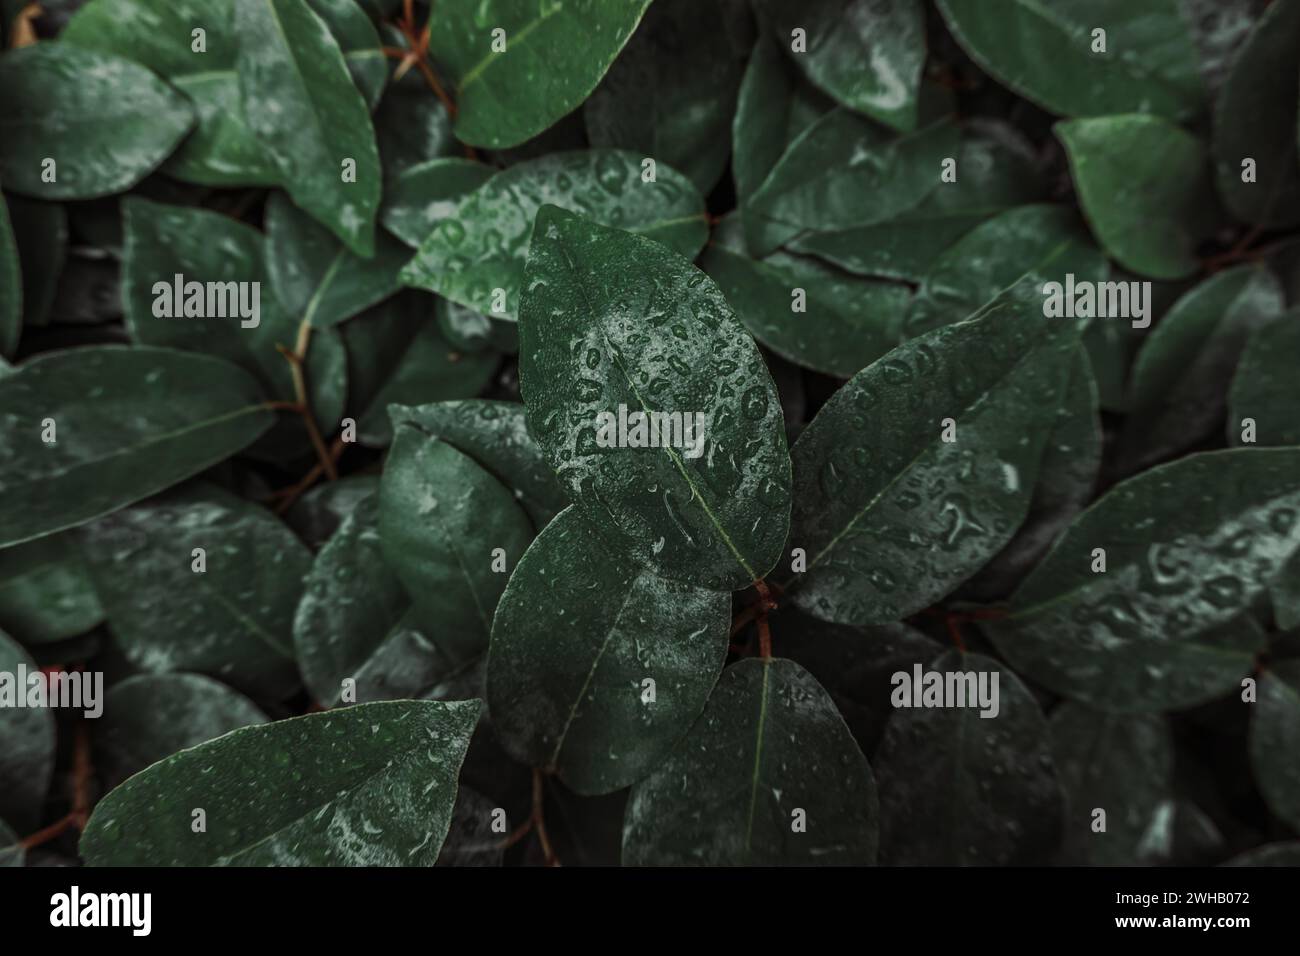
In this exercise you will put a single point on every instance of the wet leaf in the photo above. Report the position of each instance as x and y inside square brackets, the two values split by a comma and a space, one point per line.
[26, 745]
[318, 513]
[422, 195]
[372, 785]
[1275, 740]
[769, 743]
[613, 319]
[1264, 387]
[45, 593]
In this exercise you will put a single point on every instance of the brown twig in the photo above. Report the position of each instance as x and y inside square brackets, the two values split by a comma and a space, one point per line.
[79, 814]
[296, 358]
[539, 819]
[287, 496]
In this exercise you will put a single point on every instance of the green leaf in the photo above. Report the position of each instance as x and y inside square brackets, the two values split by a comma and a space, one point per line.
[444, 523]
[149, 717]
[1045, 52]
[482, 246]
[845, 171]
[1264, 386]
[45, 593]
[495, 435]
[1033, 244]
[300, 102]
[138, 419]
[613, 319]
[11, 286]
[1120, 763]
[12, 852]
[1188, 548]
[222, 150]
[1275, 740]
[411, 127]
[26, 745]
[866, 54]
[359, 41]
[555, 54]
[318, 513]
[891, 516]
[961, 789]
[41, 231]
[671, 92]
[1178, 391]
[1285, 592]
[470, 331]
[1270, 854]
[315, 277]
[1255, 118]
[1142, 183]
[372, 785]
[576, 637]
[423, 195]
[157, 33]
[236, 619]
[769, 742]
[845, 322]
[104, 121]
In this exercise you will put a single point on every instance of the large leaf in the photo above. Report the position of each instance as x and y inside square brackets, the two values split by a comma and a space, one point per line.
[300, 102]
[555, 54]
[577, 634]
[138, 420]
[961, 789]
[444, 522]
[891, 516]
[104, 121]
[482, 246]
[769, 749]
[149, 717]
[236, 619]
[423, 195]
[1265, 387]
[26, 745]
[1043, 49]
[614, 319]
[371, 785]
[867, 54]
[1188, 548]
[1275, 740]
[1255, 118]
[45, 594]
[1142, 183]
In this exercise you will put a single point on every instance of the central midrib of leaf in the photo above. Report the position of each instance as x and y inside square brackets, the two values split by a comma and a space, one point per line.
[478, 68]
[758, 757]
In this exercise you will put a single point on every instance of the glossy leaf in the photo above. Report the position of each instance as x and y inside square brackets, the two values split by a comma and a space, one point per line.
[321, 510]
[1160, 628]
[222, 150]
[577, 636]
[423, 195]
[482, 246]
[26, 745]
[891, 516]
[554, 55]
[1142, 183]
[470, 331]
[866, 54]
[1275, 740]
[104, 121]
[1265, 388]
[372, 785]
[612, 319]
[300, 103]
[187, 412]
[45, 593]
[410, 129]
[769, 742]
[236, 623]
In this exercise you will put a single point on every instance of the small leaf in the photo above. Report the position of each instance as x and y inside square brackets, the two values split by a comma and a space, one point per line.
[371, 785]
[961, 789]
[1142, 183]
[1275, 740]
[554, 55]
[1160, 628]
[1265, 388]
[482, 246]
[104, 121]
[423, 195]
[149, 717]
[320, 511]
[411, 127]
[865, 53]
[708, 509]
[444, 524]
[236, 621]
[300, 102]
[769, 744]
[186, 412]
[26, 745]
[45, 593]
[576, 637]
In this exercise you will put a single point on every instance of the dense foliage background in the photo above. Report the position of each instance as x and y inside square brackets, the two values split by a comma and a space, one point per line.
[364, 586]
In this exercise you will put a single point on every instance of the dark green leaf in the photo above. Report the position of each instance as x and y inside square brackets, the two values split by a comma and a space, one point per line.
[423, 195]
[1265, 387]
[769, 743]
[12, 852]
[1285, 592]
[138, 420]
[411, 127]
[45, 594]
[482, 246]
[26, 744]
[41, 230]
[319, 512]
[222, 150]
[11, 285]
[470, 331]
[614, 319]
[1275, 740]
[578, 634]
[1271, 854]
[371, 785]
[1188, 547]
